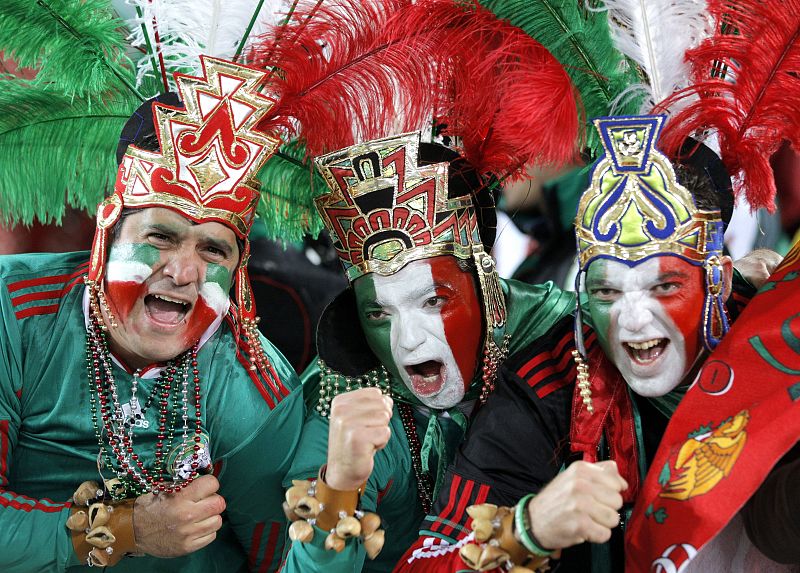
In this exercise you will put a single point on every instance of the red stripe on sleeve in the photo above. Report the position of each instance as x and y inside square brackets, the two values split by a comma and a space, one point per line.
[43, 295]
[19, 285]
[462, 507]
[454, 487]
[255, 545]
[3, 452]
[35, 310]
[272, 542]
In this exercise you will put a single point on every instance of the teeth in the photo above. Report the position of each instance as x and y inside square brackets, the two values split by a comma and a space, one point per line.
[168, 299]
[644, 345]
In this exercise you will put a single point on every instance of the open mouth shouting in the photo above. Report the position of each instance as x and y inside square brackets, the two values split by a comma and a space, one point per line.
[165, 310]
[646, 352]
[427, 378]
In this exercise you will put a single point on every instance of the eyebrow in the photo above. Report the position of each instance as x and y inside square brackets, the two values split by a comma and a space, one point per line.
[220, 244]
[672, 275]
[176, 232]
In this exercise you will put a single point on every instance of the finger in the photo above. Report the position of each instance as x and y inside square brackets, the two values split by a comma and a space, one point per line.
[607, 497]
[610, 470]
[363, 411]
[207, 526]
[596, 533]
[604, 515]
[201, 488]
[201, 542]
[381, 437]
[208, 507]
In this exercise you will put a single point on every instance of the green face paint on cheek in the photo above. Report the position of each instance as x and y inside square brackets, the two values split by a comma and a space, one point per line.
[599, 310]
[220, 275]
[376, 331]
[131, 262]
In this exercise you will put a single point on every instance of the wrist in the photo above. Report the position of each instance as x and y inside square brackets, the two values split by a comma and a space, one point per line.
[335, 478]
[523, 528]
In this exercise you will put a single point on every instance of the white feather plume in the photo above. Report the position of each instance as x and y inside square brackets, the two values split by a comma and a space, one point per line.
[188, 28]
[655, 34]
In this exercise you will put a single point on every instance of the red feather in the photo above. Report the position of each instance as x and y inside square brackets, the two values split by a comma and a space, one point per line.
[359, 70]
[755, 105]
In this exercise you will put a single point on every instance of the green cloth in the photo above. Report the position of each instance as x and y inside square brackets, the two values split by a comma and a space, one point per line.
[48, 445]
[532, 311]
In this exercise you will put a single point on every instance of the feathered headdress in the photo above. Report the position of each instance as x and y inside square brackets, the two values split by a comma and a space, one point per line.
[746, 81]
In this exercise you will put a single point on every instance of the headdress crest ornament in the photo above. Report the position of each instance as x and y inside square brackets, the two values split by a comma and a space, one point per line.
[386, 210]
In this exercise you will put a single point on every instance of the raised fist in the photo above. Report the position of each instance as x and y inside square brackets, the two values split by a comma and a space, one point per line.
[174, 524]
[359, 427]
[580, 504]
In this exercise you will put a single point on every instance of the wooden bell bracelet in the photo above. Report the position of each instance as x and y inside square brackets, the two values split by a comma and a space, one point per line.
[102, 534]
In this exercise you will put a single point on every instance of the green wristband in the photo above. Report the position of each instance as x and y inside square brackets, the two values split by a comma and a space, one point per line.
[523, 528]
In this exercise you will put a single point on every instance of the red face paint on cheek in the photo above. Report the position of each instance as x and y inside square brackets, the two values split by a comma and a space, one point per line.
[201, 318]
[685, 308]
[122, 297]
[461, 315]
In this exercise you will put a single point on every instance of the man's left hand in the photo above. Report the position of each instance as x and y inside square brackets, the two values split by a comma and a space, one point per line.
[758, 265]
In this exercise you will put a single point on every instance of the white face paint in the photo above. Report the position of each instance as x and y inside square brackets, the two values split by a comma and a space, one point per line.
[635, 309]
[419, 347]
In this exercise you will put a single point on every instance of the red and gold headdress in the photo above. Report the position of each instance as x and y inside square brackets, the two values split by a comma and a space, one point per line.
[210, 152]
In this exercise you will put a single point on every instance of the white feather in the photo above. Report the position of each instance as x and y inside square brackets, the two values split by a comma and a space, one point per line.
[656, 34]
[188, 28]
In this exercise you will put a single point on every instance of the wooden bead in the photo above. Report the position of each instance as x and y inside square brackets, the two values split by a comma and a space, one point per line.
[289, 512]
[86, 491]
[374, 543]
[471, 555]
[348, 527]
[491, 558]
[78, 521]
[370, 524]
[99, 557]
[308, 507]
[100, 537]
[301, 531]
[334, 543]
[485, 511]
[294, 494]
[483, 529]
[99, 514]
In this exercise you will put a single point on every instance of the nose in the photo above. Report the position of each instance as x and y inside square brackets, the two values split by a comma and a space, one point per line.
[184, 267]
[633, 314]
[407, 332]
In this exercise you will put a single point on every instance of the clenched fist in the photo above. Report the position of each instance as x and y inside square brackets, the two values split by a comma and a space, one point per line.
[174, 524]
[359, 427]
[580, 504]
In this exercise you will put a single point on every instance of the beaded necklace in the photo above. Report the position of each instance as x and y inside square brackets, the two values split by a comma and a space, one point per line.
[120, 434]
[424, 482]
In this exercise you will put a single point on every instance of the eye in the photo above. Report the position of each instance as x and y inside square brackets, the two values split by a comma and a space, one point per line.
[605, 294]
[216, 253]
[434, 301]
[159, 238]
[665, 288]
[378, 314]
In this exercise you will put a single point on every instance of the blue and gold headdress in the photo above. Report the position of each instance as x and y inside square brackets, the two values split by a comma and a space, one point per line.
[635, 209]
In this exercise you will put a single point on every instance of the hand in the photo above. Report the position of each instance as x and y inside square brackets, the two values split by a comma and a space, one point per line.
[359, 427]
[580, 504]
[758, 265]
[174, 524]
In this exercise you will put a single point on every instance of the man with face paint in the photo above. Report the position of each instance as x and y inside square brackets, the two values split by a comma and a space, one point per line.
[135, 373]
[413, 346]
[565, 441]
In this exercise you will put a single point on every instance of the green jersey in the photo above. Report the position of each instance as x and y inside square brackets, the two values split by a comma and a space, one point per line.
[48, 443]
[391, 490]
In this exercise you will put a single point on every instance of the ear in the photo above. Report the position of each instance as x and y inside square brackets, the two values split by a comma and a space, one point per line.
[727, 277]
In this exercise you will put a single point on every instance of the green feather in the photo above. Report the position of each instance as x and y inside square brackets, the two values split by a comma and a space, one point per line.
[57, 150]
[289, 184]
[579, 39]
[77, 46]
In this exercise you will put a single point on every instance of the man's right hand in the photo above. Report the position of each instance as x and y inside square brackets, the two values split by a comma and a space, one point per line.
[175, 524]
[359, 427]
[580, 504]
